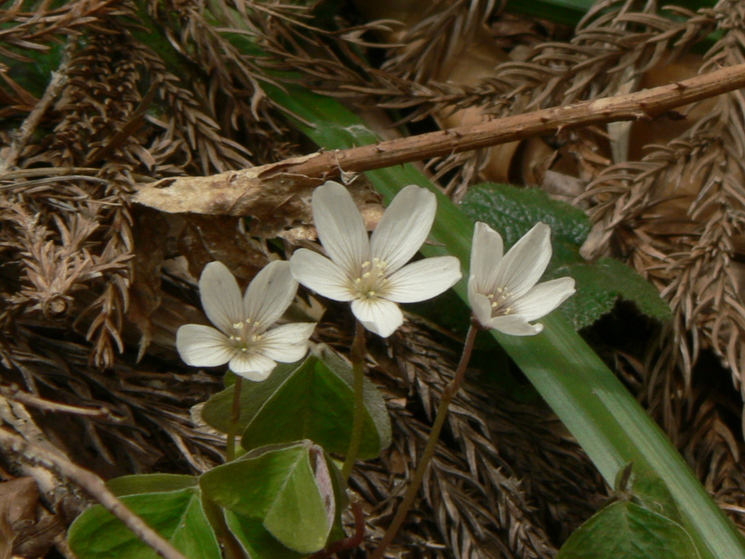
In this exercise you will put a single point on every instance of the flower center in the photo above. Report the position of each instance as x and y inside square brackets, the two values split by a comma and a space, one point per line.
[500, 300]
[372, 281]
[246, 335]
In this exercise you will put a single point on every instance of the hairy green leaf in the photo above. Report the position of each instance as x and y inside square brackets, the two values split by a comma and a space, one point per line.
[599, 285]
[513, 211]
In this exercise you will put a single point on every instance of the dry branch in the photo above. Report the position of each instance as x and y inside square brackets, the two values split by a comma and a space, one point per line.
[14, 393]
[93, 485]
[240, 192]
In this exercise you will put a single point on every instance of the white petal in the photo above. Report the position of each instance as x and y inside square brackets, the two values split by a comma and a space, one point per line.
[543, 298]
[380, 316]
[480, 305]
[514, 325]
[287, 343]
[203, 346]
[404, 226]
[221, 296]
[270, 293]
[320, 274]
[486, 255]
[525, 262]
[252, 366]
[340, 227]
[423, 280]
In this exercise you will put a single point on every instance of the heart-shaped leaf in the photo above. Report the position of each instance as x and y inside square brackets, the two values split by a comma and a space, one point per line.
[178, 516]
[281, 486]
[312, 401]
[256, 541]
[627, 530]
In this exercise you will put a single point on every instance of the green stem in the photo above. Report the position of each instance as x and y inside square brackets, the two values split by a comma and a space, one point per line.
[358, 367]
[442, 411]
[235, 417]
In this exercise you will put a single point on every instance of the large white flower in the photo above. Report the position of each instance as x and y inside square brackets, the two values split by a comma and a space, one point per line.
[503, 291]
[370, 272]
[243, 338]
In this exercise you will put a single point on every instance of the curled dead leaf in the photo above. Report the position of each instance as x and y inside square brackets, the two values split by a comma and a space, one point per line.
[26, 528]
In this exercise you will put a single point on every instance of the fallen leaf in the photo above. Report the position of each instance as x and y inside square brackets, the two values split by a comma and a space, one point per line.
[26, 528]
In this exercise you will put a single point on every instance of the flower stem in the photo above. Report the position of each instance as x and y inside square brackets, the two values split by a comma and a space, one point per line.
[358, 367]
[447, 395]
[235, 417]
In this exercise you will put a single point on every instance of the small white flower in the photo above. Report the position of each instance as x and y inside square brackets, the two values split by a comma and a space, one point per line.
[243, 338]
[503, 291]
[370, 272]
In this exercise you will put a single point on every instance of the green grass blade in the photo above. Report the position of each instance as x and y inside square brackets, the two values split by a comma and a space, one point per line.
[603, 416]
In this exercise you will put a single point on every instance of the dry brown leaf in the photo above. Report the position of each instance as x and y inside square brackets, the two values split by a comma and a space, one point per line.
[26, 529]
[279, 204]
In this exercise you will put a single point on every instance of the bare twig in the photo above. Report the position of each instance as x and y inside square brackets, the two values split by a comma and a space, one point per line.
[91, 484]
[13, 392]
[238, 192]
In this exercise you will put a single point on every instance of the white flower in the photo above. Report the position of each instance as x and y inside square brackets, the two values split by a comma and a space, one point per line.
[370, 273]
[503, 291]
[242, 337]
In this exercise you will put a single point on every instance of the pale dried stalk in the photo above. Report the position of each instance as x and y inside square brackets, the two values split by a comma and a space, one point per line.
[14, 393]
[236, 192]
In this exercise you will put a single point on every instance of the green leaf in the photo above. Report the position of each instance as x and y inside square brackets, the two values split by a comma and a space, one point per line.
[625, 530]
[149, 483]
[312, 401]
[279, 486]
[217, 410]
[647, 491]
[513, 211]
[178, 516]
[599, 285]
[256, 541]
